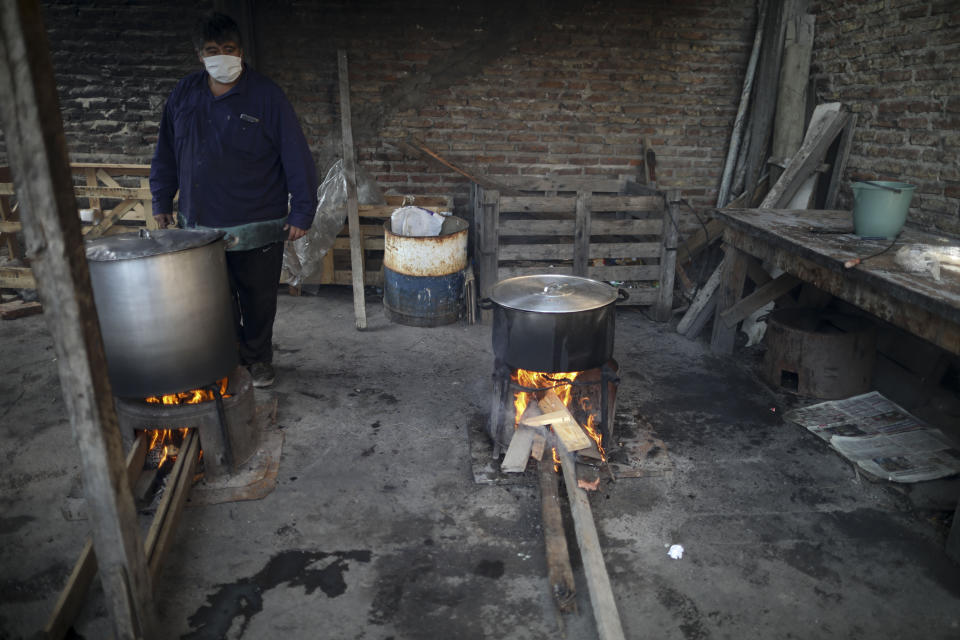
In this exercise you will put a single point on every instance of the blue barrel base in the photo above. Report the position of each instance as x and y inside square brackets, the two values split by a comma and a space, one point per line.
[422, 301]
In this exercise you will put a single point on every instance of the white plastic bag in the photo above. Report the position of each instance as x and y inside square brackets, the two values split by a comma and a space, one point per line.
[415, 221]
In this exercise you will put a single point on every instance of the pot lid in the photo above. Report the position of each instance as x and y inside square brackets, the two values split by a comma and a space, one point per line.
[126, 246]
[550, 293]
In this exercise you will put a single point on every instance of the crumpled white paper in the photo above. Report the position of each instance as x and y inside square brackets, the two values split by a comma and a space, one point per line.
[676, 551]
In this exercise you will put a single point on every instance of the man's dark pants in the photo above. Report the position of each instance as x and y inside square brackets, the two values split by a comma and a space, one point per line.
[254, 281]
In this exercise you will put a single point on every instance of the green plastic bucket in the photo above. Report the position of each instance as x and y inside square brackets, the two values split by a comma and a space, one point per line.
[880, 208]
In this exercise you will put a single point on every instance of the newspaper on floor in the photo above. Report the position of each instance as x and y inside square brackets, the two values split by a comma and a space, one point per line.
[881, 437]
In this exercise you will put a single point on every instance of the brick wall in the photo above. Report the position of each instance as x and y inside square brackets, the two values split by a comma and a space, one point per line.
[501, 88]
[896, 63]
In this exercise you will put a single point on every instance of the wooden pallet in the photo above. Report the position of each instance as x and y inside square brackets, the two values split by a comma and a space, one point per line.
[578, 227]
[336, 264]
[118, 196]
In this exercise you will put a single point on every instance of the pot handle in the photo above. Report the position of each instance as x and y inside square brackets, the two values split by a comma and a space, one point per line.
[485, 303]
[622, 295]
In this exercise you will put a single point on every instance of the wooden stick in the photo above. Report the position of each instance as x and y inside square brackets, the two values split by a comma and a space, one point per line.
[71, 599]
[353, 215]
[419, 147]
[559, 571]
[38, 155]
[598, 582]
[160, 536]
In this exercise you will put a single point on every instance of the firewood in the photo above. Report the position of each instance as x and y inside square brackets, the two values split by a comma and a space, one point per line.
[569, 432]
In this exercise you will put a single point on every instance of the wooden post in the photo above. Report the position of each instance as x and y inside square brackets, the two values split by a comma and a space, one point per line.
[353, 213]
[668, 258]
[37, 150]
[581, 234]
[731, 287]
[489, 258]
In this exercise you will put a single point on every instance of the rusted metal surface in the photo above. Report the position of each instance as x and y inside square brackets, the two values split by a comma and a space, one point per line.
[813, 246]
[427, 255]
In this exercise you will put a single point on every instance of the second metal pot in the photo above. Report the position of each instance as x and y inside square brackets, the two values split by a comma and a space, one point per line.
[553, 323]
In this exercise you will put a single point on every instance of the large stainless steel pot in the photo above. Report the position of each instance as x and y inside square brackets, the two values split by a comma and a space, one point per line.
[553, 323]
[165, 309]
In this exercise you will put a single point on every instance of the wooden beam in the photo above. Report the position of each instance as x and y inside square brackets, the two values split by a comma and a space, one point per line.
[36, 147]
[353, 216]
[731, 287]
[71, 599]
[770, 291]
[668, 259]
[17, 278]
[736, 136]
[581, 234]
[559, 572]
[840, 162]
[110, 218]
[792, 90]
[805, 162]
[703, 306]
[605, 612]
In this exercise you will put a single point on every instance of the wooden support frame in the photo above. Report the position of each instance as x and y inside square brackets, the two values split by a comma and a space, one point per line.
[41, 173]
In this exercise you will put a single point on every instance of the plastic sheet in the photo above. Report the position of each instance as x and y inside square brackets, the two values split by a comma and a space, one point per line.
[922, 258]
[304, 257]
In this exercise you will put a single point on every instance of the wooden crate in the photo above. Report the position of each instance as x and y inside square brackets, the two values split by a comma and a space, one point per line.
[118, 194]
[577, 226]
[336, 264]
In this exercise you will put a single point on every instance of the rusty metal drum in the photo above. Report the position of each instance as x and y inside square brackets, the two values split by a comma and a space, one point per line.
[423, 275]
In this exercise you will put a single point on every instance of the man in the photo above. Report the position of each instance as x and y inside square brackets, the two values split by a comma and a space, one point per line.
[230, 142]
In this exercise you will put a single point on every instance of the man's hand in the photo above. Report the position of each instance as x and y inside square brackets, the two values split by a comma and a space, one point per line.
[294, 232]
[163, 220]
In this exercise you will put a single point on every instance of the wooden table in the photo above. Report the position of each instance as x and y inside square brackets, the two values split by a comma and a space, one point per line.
[812, 246]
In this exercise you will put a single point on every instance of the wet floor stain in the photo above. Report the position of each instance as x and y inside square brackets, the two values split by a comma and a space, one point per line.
[244, 598]
[489, 569]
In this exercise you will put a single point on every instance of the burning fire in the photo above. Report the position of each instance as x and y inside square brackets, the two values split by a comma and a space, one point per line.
[169, 440]
[561, 384]
[194, 396]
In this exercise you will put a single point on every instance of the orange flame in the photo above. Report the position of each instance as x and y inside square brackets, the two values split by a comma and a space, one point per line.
[166, 439]
[559, 382]
[194, 396]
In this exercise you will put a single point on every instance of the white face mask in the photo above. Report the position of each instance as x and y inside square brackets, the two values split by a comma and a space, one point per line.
[223, 69]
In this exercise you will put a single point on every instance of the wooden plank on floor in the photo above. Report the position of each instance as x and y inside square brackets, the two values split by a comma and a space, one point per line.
[605, 612]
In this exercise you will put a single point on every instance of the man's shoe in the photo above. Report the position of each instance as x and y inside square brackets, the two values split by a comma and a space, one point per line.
[262, 373]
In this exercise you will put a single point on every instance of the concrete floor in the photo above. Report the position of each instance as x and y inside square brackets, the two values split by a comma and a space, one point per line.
[376, 529]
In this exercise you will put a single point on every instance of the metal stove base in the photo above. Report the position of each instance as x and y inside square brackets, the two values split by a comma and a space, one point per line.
[257, 477]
